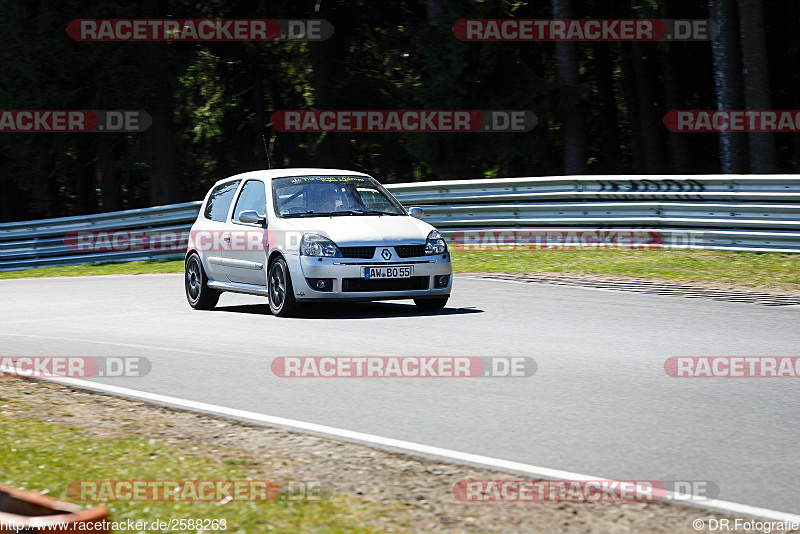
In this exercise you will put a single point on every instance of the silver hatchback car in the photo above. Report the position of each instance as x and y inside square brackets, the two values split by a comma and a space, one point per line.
[303, 235]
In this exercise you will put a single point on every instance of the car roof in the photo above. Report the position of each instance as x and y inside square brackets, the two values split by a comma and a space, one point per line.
[282, 173]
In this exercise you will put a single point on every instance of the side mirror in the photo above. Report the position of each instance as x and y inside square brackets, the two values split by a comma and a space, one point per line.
[252, 217]
[415, 212]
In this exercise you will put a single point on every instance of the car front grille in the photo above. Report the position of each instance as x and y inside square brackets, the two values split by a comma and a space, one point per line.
[410, 251]
[358, 252]
[388, 284]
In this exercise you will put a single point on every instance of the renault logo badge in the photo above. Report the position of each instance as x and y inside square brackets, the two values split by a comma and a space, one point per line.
[386, 254]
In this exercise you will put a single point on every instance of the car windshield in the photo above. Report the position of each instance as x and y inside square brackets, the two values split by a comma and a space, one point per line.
[327, 196]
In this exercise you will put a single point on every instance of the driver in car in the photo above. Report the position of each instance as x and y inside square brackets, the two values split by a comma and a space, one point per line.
[323, 198]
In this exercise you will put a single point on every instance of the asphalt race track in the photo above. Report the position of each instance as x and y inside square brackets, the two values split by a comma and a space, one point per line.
[600, 402]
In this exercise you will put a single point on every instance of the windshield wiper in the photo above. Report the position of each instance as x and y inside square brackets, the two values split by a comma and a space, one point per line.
[324, 213]
[377, 212]
[356, 211]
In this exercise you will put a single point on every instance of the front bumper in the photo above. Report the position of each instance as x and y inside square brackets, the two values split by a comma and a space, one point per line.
[348, 282]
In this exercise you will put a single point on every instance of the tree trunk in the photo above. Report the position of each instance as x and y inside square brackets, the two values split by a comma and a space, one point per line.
[7, 186]
[327, 60]
[607, 113]
[443, 164]
[567, 58]
[259, 121]
[108, 156]
[54, 207]
[763, 158]
[795, 84]
[160, 140]
[728, 81]
[434, 13]
[649, 121]
[631, 92]
[677, 143]
[85, 196]
[162, 152]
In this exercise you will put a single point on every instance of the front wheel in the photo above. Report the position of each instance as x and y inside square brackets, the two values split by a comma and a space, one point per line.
[281, 296]
[199, 295]
[431, 304]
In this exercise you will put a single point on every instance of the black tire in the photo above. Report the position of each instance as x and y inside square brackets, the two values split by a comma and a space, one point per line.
[279, 286]
[431, 304]
[199, 295]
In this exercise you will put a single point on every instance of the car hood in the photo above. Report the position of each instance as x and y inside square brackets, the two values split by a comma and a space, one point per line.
[349, 230]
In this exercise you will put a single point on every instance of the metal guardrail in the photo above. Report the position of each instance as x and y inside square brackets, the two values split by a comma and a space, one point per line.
[717, 187]
[41, 243]
[757, 213]
[724, 212]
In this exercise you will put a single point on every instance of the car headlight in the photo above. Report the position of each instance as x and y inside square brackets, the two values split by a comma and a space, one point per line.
[435, 243]
[317, 245]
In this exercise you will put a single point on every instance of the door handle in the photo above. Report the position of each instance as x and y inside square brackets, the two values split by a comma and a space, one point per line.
[226, 237]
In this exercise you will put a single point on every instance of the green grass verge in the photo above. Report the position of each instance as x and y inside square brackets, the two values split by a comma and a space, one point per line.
[134, 267]
[742, 268]
[40, 456]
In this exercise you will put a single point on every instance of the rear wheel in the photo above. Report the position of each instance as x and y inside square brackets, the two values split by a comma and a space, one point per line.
[199, 295]
[281, 295]
[431, 304]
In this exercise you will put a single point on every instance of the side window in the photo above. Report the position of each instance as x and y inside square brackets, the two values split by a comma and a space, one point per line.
[374, 200]
[220, 200]
[253, 197]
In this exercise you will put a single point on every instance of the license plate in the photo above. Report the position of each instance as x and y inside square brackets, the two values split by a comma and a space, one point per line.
[400, 271]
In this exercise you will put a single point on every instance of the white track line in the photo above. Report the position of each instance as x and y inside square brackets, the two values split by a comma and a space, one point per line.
[410, 447]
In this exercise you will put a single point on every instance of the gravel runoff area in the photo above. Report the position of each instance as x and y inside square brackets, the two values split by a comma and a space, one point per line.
[415, 493]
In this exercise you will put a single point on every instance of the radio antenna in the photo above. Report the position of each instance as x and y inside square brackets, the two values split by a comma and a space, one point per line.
[269, 165]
